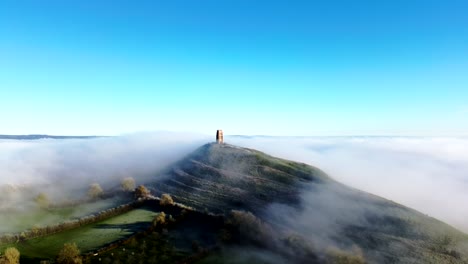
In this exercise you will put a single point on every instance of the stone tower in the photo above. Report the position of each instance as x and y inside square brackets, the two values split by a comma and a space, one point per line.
[219, 137]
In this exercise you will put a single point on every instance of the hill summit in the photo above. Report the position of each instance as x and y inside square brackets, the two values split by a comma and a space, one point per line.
[222, 177]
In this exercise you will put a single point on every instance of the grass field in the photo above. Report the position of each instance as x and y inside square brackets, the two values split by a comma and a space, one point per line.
[88, 238]
[21, 220]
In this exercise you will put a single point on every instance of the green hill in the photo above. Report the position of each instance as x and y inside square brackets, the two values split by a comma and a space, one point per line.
[296, 200]
[220, 178]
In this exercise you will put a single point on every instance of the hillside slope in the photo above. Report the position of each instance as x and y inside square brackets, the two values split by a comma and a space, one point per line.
[295, 198]
[224, 177]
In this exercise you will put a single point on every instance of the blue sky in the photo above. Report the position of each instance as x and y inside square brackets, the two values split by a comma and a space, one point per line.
[249, 67]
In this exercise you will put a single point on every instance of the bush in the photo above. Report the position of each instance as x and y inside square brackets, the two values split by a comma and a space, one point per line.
[128, 184]
[69, 254]
[166, 199]
[12, 255]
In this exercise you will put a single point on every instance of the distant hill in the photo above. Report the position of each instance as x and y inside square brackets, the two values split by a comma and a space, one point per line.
[35, 137]
[297, 198]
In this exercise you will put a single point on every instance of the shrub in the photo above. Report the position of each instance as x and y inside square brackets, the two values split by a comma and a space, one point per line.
[69, 254]
[12, 255]
[128, 184]
[166, 199]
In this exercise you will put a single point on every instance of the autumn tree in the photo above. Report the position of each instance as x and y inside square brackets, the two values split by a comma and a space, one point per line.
[159, 219]
[12, 255]
[166, 199]
[141, 192]
[95, 191]
[69, 254]
[128, 184]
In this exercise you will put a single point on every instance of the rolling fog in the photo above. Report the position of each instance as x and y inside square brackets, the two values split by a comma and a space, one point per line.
[63, 169]
[427, 174]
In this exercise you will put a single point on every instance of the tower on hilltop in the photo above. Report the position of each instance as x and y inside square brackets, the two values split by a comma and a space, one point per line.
[219, 137]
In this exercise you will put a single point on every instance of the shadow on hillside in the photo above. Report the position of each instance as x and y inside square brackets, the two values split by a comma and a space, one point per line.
[130, 227]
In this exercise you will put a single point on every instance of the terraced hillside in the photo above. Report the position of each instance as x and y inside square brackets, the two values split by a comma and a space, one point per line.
[221, 177]
[300, 199]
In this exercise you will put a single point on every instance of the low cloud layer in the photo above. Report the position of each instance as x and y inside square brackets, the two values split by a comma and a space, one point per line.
[64, 168]
[427, 174]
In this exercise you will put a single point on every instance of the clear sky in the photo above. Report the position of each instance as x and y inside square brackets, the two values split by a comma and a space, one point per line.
[249, 67]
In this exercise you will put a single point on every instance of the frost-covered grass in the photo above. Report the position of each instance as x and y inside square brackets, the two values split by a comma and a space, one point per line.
[88, 238]
[15, 221]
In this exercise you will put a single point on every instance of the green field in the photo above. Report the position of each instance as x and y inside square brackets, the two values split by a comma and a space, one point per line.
[88, 238]
[18, 221]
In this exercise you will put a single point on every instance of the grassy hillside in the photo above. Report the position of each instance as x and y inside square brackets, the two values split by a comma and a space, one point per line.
[295, 198]
[220, 178]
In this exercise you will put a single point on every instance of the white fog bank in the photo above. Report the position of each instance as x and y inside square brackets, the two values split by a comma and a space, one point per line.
[427, 174]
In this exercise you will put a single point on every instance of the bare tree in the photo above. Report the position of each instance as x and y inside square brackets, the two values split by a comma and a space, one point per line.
[69, 254]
